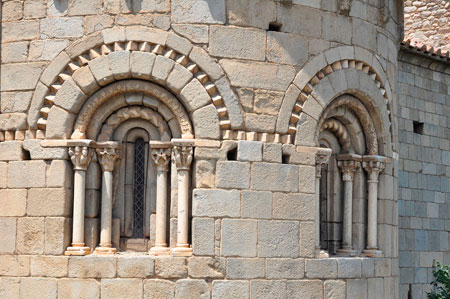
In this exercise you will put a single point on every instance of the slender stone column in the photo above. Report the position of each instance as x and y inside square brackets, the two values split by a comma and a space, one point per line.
[183, 154]
[108, 158]
[373, 165]
[322, 157]
[81, 157]
[348, 168]
[161, 157]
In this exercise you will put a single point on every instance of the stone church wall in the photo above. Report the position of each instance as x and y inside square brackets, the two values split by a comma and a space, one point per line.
[255, 77]
[424, 191]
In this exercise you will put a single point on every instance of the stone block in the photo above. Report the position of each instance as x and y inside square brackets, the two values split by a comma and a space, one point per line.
[195, 33]
[237, 42]
[63, 120]
[256, 204]
[192, 288]
[239, 238]
[349, 268]
[37, 152]
[178, 78]
[49, 266]
[307, 239]
[357, 288]
[85, 79]
[7, 235]
[13, 202]
[367, 267]
[192, 11]
[122, 288]
[86, 7]
[284, 268]
[49, 202]
[278, 239]
[216, 203]
[72, 288]
[60, 174]
[334, 289]
[286, 48]
[57, 234]
[30, 235]
[361, 30]
[274, 177]
[9, 287]
[156, 288]
[309, 26]
[12, 75]
[14, 265]
[268, 289]
[245, 268]
[260, 122]
[37, 287]
[375, 288]
[249, 150]
[61, 27]
[268, 101]
[206, 63]
[162, 68]
[258, 74]
[12, 122]
[305, 289]
[92, 266]
[3, 175]
[26, 174]
[272, 152]
[15, 52]
[135, 266]
[203, 236]
[101, 70]
[205, 173]
[336, 28]
[223, 289]
[258, 13]
[383, 267]
[15, 101]
[321, 268]
[206, 122]
[141, 64]
[194, 96]
[293, 206]
[307, 177]
[119, 63]
[21, 30]
[170, 267]
[206, 267]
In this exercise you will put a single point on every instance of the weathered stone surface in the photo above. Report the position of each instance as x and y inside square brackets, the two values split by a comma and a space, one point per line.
[203, 236]
[260, 122]
[349, 268]
[293, 206]
[15, 52]
[58, 232]
[62, 120]
[49, 202]
[245, 268]
[256, 204]
[61, 27]
[13, 79]
[286, 48]
[193, 288]
[205, 174]
[206, 122]
[37, 152]
[47, 49]
[274, 177]
[258, 74]
[310, 24]
[21, 30]
[10, 151]
[122, 288]
[195, 33]
[249, 150]
[142, 64]
[336, 28]
[278, 239]
[321, 268]
[13, 202]
[223, 289]
[119, 63]
[258, 13]
[275, 289]
[15, 101]
[169, 267]
[3, 175]
[85, 80]
[59, 174]
[14, 265]
[233, 174]
[7, 234]
[135, 266]
[235, 42]
[334, 289]
[216, 203]
[92, 266]
[72, 288]
[49, 266]
[307, 239]
[268, 102]
[305, 289]
[85, 7]
[30, 235]
[278, 268]
[239, 237]
[101, 70]
[206, 63]
[357, 288]
[206, 267]
[194, 96]
[307, 176]
[156, 288]
[383, 267]
[9, 287]
[36, 287]
[26, 174]
[178, 78]
[204, 11]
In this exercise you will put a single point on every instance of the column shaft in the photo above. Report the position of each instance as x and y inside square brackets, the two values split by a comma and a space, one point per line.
[161, 209]
[317, 213]
[348, 215]
[372, 215]
[183, 206]
[78, 208]
[106, 213]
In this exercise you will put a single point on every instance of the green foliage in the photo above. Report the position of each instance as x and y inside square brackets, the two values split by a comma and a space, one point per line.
[441, 283]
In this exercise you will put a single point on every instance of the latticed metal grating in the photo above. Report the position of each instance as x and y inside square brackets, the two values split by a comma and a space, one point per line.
[139, 188]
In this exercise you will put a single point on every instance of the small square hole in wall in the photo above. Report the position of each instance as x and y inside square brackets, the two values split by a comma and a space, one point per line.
[418, 127]
[274, 27]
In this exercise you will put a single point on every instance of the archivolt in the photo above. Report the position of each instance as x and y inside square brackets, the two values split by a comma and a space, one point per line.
[340, 131]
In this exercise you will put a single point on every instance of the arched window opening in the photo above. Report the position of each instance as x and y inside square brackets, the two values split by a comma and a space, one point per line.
[140, 171]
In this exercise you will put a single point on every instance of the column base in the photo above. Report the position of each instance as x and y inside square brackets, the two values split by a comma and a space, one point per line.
[159, 250]
[321, 254]
[78, 250]
[105, 250]
[181, 251]
[373, 253]
[346, 252]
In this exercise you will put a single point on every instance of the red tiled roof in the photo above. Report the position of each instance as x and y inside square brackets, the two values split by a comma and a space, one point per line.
[426, 49]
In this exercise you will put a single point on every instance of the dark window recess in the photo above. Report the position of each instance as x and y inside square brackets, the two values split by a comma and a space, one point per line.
[139, 188]
[418, 127]
[285, 159]
[274, 27]
[232, 155]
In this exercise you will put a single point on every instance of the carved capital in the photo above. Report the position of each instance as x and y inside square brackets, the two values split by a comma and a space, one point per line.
[345, 6]
[108, 158]
[80, 156]
[182, 155]
[321, 161]
[348, 168]
[373, 168]
[161, 157]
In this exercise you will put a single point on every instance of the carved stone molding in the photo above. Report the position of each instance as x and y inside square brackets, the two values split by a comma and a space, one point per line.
[108, 158]
[345, 6]
[340, 131]
[80, 156]
[183, 155]
[374, 165]
[348, 168]
[161, 157]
